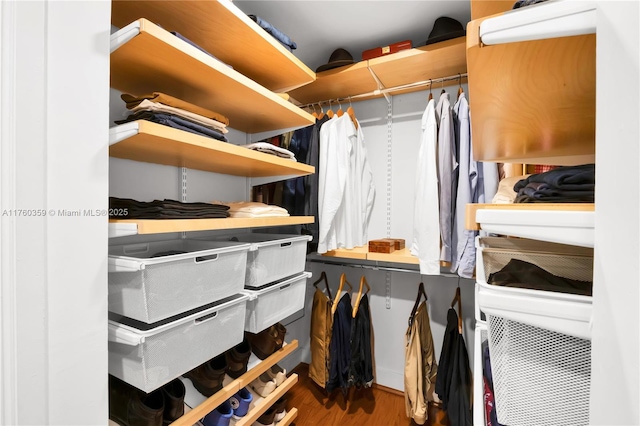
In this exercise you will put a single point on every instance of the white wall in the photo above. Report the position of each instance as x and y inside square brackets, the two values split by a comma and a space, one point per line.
[55, 78]
[615, 376]
[389, 325]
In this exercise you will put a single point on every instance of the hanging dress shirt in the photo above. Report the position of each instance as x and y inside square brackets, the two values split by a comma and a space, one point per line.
[463, 240]
[364, 178]
[446, 168]
[426, 220]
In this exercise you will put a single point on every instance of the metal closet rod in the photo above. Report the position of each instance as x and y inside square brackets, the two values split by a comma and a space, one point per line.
[389, 90]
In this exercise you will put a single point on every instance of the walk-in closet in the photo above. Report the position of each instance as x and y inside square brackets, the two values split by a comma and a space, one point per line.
[261, 213]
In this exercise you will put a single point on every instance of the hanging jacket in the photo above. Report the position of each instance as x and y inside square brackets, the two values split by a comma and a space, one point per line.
[361, 369]
[420, 369]
[340, 346]
[321, 325]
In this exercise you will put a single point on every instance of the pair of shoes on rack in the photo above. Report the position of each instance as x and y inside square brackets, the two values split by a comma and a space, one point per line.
[274, 414]
[268, 341]
[129, 405]
[235, 407]
[268, 381]
[208, 378]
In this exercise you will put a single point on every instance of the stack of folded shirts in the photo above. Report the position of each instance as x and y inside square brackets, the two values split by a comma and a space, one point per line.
[253, 209]
[169, 111]
[275, 33]
[268, 148]
[166, 209]
[573, 184]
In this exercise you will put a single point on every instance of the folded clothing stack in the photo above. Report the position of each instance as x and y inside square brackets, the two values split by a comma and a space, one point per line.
[166, 209]
[284, 39]
[253, 209]
[269, 148]
[164, 109]
[572, 184]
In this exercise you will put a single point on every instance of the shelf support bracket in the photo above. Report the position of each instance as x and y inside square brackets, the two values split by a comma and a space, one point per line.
[380, 85]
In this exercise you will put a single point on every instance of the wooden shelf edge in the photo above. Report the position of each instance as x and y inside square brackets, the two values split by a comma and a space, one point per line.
[192, 151]
[472, 209]
[267, 363]
[198, 412]
[267, 402]
[161, 226]
[290, 417]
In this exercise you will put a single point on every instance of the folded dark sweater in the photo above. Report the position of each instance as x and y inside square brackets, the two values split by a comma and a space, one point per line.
[521, 274]
[166, 209]
[568, 178]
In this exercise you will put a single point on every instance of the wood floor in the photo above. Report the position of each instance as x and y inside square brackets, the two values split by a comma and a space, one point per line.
[371, 407]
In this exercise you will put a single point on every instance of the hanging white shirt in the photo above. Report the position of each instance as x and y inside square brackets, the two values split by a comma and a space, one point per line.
[447, 167]
[367, 191]
[426, 211]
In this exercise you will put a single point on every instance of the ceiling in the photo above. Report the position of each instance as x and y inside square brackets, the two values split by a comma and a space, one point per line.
[319, 27]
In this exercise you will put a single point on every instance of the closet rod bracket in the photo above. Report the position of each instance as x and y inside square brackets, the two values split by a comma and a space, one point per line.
[380, 85]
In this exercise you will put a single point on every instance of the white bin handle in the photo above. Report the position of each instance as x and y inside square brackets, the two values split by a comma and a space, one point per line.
[136, 248]
[125, 265]
[285, 286]
[208, 258]
[205, 318]
[120, 335]
[287, 244]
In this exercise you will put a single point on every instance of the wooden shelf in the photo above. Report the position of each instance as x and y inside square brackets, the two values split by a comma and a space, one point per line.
[399, 256]
[355, 253]
[534, 101]
[226, 32]
[202, 409]
[125, 227]
[263, 405]
[289, 418]
[154, 143]
[146, 58]
[434, 61]
[569, 223]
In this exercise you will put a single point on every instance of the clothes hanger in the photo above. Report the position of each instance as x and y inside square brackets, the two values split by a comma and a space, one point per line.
[343, 279]
[443, 91]
[323, 276]
[458, 299]
[363, 282]
[460, 89]
[430, 85]
[314, 113]
[340, 112]
[352, 113]
[330, 111]
[321, 115]
[421, 292]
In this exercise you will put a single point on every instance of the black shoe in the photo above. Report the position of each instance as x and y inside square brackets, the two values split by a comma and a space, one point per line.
[207, 378]
[129, 406]
[238, 359]
[173, 393]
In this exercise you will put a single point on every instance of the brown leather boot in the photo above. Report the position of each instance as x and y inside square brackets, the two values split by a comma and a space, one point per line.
[282, 331]
[238, 359]
[207, 378]
[173, 393]
[129, 406]
[267, 341]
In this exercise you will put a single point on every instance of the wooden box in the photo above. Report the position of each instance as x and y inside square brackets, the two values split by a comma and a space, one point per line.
[384, 245]
[398, 243]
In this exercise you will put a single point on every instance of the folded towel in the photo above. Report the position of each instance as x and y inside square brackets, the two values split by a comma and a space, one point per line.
[271, 149]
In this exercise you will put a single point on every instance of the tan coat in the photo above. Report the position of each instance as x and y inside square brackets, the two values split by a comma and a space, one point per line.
[321, 326]
[420, 366]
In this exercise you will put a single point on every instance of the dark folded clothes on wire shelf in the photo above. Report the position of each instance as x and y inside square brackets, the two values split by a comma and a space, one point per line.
[176, 122]
[167, 209]
[520, 274]
[284, 39]
[570, 184]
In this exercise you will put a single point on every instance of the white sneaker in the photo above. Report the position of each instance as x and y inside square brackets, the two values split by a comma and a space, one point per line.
[277, 373]
[264, 385]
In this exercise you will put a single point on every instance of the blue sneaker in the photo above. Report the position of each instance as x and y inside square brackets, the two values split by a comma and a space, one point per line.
[240, 403]
[221, 416]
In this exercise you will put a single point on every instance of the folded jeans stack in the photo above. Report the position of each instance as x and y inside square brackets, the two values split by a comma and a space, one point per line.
[571, 184]
[173, 112]
[284, 39]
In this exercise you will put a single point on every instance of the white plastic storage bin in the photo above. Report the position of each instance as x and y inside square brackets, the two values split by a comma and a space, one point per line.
[275, 302]
[539, 340]
[149, 356]
[150, 289]
[561, 312]
[273, 257]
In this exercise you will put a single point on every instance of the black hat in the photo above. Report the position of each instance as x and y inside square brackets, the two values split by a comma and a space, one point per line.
[445, 28]
[338, 58]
